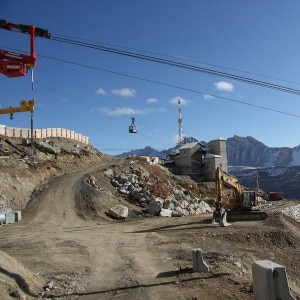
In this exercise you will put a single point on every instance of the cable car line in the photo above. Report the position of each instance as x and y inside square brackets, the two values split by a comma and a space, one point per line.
[181, 58]
[173, 86]
[167, 84]
[179, 64]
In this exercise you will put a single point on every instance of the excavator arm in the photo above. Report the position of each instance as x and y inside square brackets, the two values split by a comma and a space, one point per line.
[223, 178]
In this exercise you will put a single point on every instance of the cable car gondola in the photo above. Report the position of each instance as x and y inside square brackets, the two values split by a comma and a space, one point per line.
[132, 127]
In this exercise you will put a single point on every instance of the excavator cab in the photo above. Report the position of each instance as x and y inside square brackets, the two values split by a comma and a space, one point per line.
[132, 127]
[249, 199]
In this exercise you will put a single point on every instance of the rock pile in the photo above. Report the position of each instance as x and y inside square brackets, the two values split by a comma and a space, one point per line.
[137, 186]
[292, 211]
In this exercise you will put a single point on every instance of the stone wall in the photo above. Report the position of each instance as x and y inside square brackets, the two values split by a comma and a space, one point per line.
[43, 133]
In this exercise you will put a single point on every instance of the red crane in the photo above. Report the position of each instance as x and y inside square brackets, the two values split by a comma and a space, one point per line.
[14, 64]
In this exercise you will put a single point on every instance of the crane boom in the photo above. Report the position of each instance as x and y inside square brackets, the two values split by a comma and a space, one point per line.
[24, 106]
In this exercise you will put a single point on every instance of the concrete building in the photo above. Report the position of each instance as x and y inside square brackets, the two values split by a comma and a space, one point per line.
[196, 159]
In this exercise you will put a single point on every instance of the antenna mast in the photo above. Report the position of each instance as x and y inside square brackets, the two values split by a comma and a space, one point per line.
[180, 123]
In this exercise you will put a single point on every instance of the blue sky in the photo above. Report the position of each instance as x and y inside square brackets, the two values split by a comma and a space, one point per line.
[256, 39]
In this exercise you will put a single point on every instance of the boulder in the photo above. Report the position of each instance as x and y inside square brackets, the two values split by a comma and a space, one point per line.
[154, 208]
[123, 178]
[115, 183]
[118, 212]
[184, 204]
[177, 213]
[165, 212]
[108, 173]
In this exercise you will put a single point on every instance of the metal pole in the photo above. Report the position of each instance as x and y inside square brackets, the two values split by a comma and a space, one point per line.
[31, 133]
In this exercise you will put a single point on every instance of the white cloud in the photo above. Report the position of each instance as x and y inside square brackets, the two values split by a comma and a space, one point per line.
[123, 111]
[224, 86]
[125, 92]
[174, 101]
[208, 97]
[152, 100]
[101, 92]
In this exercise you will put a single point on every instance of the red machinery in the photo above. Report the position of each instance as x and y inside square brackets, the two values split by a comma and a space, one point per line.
[14, 64]
[275, 196]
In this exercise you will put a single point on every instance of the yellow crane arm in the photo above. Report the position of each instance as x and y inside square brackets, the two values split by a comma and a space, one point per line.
[24, 106]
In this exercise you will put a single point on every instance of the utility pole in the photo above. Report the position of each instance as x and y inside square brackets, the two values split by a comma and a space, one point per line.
[257, 181]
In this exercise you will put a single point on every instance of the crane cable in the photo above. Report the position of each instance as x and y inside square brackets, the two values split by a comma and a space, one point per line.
[31, 114]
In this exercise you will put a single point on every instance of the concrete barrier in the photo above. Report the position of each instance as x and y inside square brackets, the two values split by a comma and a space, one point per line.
[42, 133]
[7, 216]
[270, 281]
[199, 265]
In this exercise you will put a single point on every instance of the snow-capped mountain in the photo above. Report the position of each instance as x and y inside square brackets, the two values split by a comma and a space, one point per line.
[247, 151]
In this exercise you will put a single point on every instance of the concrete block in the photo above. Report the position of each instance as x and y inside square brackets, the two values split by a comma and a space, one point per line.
[270, 281]
[12, 217]
[199, 265]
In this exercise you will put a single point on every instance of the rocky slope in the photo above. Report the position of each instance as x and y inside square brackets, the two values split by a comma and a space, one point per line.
[21, 179]
[136, 182]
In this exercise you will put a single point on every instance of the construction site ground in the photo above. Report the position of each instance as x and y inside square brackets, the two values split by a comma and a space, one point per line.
[62, 250]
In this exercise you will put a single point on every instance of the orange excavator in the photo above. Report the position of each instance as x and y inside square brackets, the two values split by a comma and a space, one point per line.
[241, 206]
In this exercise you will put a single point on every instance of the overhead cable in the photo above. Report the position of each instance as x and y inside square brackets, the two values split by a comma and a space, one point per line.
[171, 85]
[178, 64]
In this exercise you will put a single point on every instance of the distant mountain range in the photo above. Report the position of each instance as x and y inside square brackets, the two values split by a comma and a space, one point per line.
[247, 151]
[254, 163]
[150, 151]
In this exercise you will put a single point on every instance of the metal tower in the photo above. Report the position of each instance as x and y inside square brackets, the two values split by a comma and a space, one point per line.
[180, 123]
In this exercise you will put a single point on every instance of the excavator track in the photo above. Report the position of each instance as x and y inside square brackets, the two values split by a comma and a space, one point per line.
[241, 215]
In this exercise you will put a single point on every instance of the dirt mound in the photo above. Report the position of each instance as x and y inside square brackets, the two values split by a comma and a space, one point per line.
[16, 280]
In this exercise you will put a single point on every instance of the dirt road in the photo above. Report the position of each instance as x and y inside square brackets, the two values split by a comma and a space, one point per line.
[140, 258]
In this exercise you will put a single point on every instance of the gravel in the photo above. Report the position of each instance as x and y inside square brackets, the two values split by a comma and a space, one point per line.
[292, 211]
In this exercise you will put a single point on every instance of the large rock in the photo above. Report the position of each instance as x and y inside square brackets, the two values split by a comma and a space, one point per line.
[118, 212]
[165, 212]
[154, 207]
